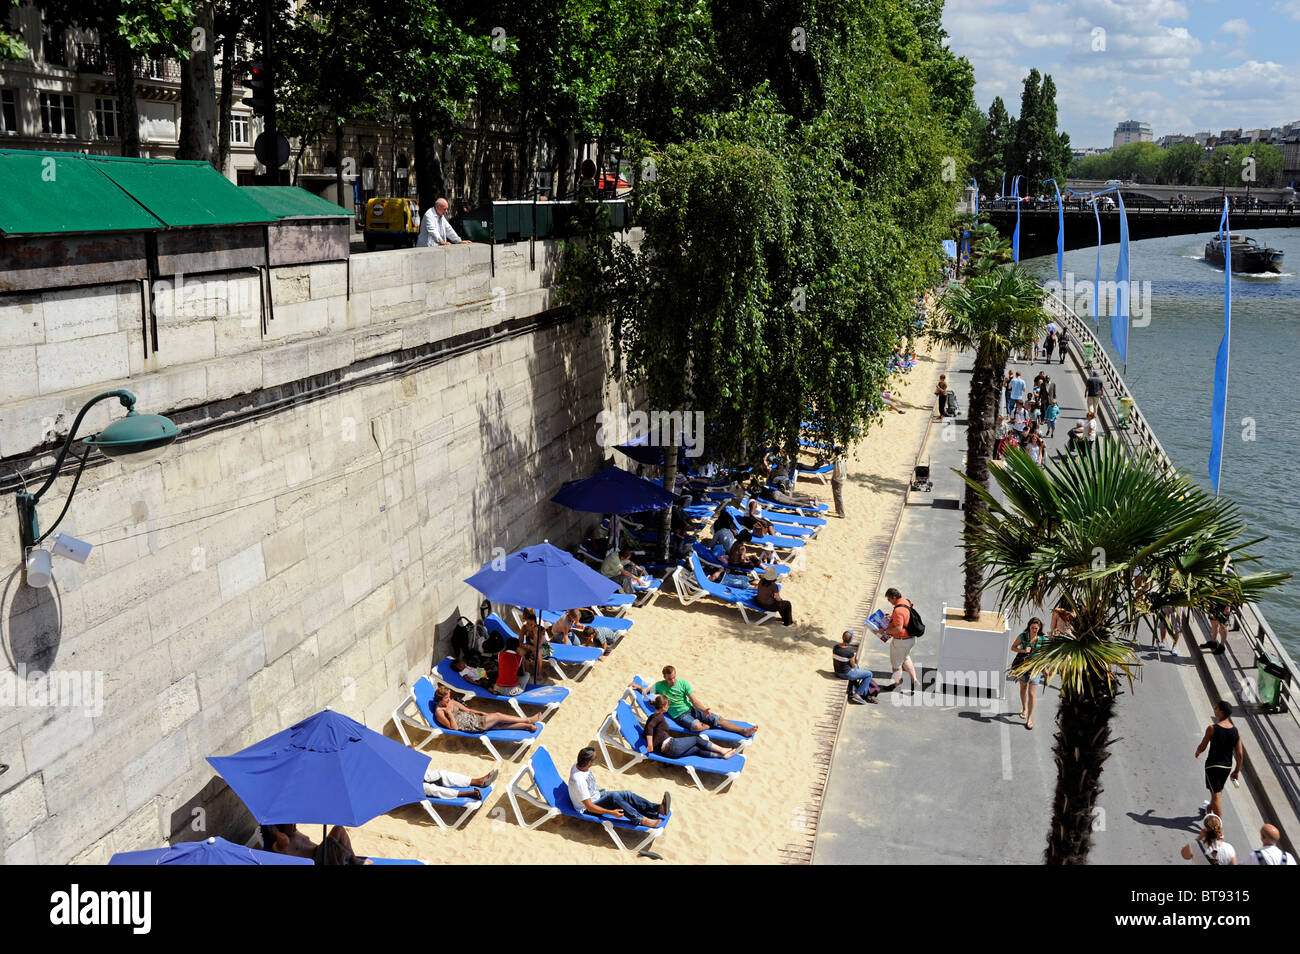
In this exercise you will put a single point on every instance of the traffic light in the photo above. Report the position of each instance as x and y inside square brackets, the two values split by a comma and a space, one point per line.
[257, 88]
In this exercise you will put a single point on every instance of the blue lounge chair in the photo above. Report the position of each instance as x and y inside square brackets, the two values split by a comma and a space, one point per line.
[710, 561]
[546, 697]
[416, 713]
[642, 705]
[624, 734]
[783, 528]
[798, 519]
[812, 509]
[396, 861]
[692, 585]
[562, 654]
[816, 473]
[547, 789]
[467, 807]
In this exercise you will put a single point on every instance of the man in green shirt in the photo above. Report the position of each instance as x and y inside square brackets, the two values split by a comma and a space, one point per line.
[689, 713]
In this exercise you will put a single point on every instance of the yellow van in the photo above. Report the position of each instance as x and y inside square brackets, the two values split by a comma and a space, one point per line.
[391, 221]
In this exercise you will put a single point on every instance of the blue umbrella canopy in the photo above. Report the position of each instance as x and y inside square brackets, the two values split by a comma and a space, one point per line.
[643, 452]
[213, 851]
[326, 770]
[542, 577]
[613, 490]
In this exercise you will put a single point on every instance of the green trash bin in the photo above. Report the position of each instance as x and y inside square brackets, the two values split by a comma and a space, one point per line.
[1087, 354]
[1270, 675]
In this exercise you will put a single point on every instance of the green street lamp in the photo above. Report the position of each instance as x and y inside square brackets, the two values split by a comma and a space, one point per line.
[134, 439]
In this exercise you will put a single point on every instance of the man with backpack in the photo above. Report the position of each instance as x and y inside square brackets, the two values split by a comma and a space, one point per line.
[904, 628]
[1269, 853]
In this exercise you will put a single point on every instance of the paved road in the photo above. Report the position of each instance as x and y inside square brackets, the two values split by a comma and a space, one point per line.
[959, 780]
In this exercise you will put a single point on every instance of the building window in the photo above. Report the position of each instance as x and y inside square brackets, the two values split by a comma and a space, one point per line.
[239, 130]
[107, 123]
[58, 115]
[52, 48]
[8, 111]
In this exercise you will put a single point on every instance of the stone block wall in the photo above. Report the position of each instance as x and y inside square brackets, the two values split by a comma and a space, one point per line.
[337, 478]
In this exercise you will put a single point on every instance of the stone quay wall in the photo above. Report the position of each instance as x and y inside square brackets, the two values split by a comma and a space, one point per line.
[343, 466]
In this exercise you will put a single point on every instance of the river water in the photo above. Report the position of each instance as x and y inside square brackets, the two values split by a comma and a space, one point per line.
[1171, 374]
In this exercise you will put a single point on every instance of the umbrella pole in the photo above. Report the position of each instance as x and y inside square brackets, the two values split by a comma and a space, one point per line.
[324, 848]
[537, 651]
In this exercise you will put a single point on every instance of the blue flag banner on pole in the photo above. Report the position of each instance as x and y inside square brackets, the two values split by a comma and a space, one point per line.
[1119, 322]
[1219, 411]
[977, 195]
[1060, 234]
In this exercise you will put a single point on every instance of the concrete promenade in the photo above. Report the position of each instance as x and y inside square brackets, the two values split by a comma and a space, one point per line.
[958, 779]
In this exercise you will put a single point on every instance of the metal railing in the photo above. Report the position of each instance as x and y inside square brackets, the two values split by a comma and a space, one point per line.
[97, 58]
[1140, 435]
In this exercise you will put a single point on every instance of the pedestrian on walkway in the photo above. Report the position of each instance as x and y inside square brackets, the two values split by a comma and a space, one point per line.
[1049, 346]
[839, 472]
[1209, 847]
[901, 639]
[845, 659]
[1049, 417]
[1018, 388]
[1269, 853]
[1006, 392]
[1094, 388]
[941, 390]
[1219, 616]
[1062, 342]
[1224, 743]
[1169, 626]
[1027, 642]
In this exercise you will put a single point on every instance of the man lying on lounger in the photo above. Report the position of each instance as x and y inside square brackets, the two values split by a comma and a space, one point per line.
[587, 796]
[687, 711]
[288, 840]
[440, 784]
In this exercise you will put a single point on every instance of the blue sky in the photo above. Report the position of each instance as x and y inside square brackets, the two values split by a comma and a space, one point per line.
[1181, 66]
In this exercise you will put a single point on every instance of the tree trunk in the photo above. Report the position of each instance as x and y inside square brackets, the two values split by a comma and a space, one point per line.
[124, 81]
[229, 55]
[198, 94]
[428, 169]
[980, 439]
[1082, 745]
[670, 482]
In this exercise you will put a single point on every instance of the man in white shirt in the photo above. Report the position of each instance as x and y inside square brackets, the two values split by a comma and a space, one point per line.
[436, 230]
[587, 796]
[1269, 853]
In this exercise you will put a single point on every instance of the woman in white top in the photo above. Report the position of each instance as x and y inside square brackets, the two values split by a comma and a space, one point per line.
[1034, 448]
[1209, 847]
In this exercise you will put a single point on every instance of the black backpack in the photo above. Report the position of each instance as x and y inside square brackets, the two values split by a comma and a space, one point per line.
[474, 644]
[915, 626]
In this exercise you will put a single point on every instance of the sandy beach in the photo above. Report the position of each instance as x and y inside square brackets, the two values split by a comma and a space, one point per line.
[776, 677]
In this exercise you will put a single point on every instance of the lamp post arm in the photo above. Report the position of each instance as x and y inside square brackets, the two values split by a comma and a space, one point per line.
[128, 402]
[66, 503]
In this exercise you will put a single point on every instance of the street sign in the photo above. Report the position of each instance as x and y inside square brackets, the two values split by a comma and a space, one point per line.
[262, 149]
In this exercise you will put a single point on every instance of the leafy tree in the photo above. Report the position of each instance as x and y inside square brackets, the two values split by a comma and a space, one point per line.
[1115, 535]
[1179, 163]
[128, 28]
[989, 148]
[993, 312]
[12, 46]
[1036, 149]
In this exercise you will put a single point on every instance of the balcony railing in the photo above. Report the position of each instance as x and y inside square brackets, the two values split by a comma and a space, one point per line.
[97, 58]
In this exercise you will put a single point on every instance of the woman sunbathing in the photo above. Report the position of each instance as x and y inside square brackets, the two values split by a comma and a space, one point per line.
[452, 715]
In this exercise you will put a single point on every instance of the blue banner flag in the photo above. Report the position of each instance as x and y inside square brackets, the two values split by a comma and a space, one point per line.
[1219, 411]
[1119, 322]
[1060, 234]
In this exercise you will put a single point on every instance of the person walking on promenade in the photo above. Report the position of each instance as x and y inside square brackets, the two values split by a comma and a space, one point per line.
[1169, 626]
[1049, 346]
[1018, 388]
[1006, 392]
[1049, 417]
[1220, 616]
[1224, 743]
[1028, 641]
[1062, 343]
[941, 391]
[1209, 847]
[1269, 853]
[845, 660]
[901, 640]
[1094, 388]
[839, 471]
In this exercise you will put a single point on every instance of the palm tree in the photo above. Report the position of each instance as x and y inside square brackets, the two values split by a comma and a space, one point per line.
[990, 314]
[988, 249]
[1114, 534]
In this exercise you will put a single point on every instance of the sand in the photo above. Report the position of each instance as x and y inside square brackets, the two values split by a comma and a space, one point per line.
[776, 677]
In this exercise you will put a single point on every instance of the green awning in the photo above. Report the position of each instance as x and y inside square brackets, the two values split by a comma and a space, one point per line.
[46, 192]
[182, 193]
[291, 202]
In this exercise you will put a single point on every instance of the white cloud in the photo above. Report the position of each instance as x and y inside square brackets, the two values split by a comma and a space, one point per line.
[1290, 8]
[1238, 27]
